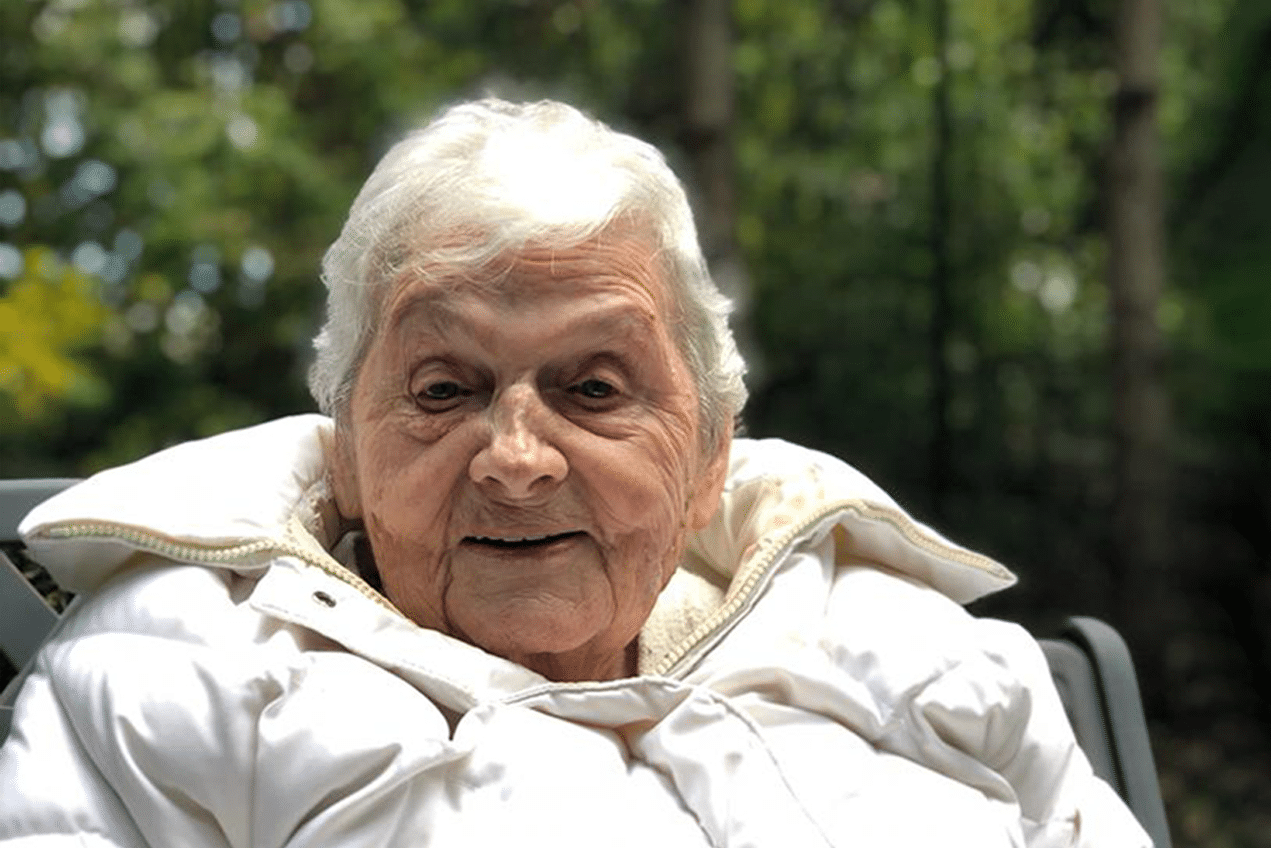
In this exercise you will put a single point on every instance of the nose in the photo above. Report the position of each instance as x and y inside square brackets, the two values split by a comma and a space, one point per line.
[516, 462]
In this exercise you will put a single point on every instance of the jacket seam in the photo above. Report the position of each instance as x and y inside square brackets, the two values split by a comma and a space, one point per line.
[257, 553]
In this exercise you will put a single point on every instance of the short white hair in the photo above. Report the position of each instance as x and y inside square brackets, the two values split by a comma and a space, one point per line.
[514, 176]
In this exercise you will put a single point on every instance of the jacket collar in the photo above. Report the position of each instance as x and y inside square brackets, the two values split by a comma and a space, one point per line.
[242, 490]
[777, 497]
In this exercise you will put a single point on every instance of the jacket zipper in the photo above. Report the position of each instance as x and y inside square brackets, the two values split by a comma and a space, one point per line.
[710, 631]
[713, 628]
[211, 555]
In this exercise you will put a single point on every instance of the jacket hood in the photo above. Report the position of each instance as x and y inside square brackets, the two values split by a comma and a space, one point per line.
[190, 502]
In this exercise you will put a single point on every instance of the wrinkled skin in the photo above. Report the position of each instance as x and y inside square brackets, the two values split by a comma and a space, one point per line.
[551, 402]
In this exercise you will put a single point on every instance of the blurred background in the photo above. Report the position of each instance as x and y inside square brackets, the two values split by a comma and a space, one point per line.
[1009, 257]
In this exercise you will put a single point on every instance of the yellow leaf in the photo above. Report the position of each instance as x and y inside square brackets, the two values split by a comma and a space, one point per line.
[48, 315]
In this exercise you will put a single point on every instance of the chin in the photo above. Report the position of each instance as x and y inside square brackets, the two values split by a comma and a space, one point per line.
[518, 634]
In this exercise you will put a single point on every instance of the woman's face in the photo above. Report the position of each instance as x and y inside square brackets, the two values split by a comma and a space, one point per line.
[524, 454]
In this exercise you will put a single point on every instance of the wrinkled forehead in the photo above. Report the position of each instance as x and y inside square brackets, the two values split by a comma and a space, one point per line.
[617, 258]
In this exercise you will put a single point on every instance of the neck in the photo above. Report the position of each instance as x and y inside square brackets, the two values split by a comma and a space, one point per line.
[578, 669]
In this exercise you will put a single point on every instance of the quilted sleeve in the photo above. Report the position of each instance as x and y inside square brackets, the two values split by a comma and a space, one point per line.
[51, 792]
[973, 700]
[138, 729]
[1000, 709]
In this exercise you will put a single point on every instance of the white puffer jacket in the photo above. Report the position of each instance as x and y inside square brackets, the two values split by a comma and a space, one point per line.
[808, 678]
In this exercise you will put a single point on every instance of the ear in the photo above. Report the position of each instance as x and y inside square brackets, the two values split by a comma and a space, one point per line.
[704, 500]
[342, 471]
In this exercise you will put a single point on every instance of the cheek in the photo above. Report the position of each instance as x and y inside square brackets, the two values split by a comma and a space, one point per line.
[644, 493]
[674, 457]
[409, 560]
[407, 493]
[408, 481]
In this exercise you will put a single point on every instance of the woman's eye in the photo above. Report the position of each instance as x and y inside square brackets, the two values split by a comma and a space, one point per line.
[436, 393]
[594, 389]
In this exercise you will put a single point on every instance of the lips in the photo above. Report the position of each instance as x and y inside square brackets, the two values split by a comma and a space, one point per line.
[520, 542]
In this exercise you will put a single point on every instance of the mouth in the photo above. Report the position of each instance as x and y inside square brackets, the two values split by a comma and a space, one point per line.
[521, 542]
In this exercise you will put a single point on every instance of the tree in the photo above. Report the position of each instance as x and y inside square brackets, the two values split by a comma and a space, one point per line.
[940, 445]
[708, 131]
[1143, 533]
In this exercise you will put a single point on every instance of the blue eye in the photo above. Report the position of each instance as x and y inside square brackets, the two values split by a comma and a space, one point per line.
[594, 389]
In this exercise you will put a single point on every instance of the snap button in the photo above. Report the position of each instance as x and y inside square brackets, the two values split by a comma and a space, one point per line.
[324, 599]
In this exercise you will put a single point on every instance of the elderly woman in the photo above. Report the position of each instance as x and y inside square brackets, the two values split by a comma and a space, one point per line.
[522, 584]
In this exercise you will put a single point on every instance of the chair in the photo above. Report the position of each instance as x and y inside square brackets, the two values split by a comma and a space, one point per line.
[25, 618]
[1094, 673]
[1088, 660]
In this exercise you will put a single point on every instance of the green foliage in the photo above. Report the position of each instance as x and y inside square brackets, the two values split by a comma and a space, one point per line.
[195, 159]
[47, 315]
[836, 157]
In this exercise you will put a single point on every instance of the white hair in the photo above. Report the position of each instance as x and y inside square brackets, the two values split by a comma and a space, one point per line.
[503, 177]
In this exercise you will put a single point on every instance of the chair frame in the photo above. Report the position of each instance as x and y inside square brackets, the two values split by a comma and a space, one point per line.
[1094, 673]
[26, 618]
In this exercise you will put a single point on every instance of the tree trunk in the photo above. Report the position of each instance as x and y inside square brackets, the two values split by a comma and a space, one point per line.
[1142, 529]
[708, 137]
[940, 447]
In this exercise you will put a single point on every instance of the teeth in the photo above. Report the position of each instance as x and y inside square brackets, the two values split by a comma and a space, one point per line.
[517, 540]
[512, 540]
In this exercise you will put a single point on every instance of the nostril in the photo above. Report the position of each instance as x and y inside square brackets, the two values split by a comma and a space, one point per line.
[518, 463]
